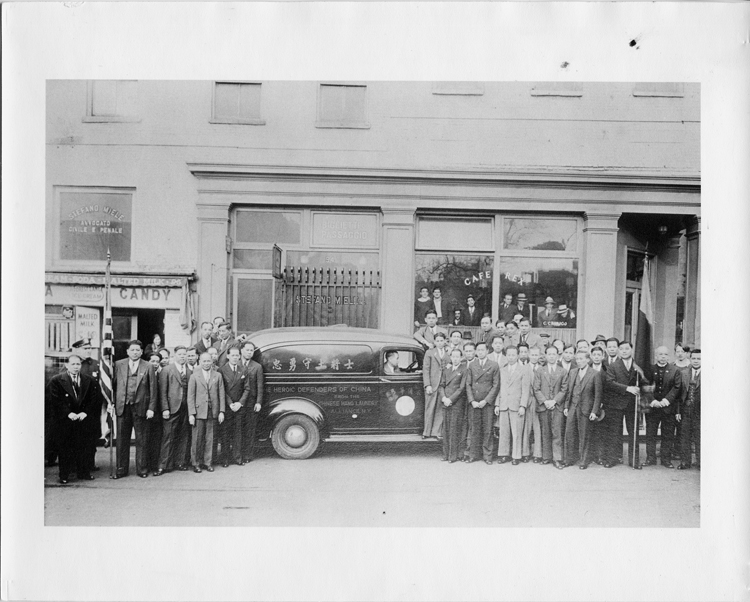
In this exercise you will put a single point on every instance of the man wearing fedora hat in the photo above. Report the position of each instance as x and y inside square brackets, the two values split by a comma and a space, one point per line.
[508, 309]
[600, 341]
[523, 305]
[547, 314]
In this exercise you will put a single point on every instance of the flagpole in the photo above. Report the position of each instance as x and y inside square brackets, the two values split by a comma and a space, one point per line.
[107, 364]
[635, 419]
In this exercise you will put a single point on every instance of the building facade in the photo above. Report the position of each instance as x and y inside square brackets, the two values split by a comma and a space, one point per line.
[316, 203]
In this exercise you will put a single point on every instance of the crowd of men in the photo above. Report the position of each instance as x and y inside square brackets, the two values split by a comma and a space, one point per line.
[556, 403]
[190, 409]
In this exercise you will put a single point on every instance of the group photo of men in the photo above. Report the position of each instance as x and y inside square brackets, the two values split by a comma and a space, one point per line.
[190, 409]
[511, 395]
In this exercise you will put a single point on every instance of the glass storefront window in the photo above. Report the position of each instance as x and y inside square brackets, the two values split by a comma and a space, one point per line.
[249, 259]
[550, 285]
[268, 227]
[458, 276]
[540, 234]
[254, 304]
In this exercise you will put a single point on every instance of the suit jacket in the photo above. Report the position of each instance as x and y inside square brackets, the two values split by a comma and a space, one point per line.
[231, 342]
[591, 392]
[453, 384]
[550, 386]
[433, 367]
[606, 364]
[672, 385]
[62, 400]
[617, 378]
[236, 384]
[542, 317]
[482, 382]
[510, 341]
[507, 313]
[200, 346]
[525, 311]
[424, 335]
[684, 402]
[514, 388]
[486, 337]
[532, 340]
[171, 389]
[255, 382]
[470, 319]
[199, 393]
[498, 358]
[146, 392]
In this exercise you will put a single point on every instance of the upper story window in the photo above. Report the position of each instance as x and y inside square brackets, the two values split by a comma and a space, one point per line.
[237, 102]
[112, 101]
[342, 106]
[659, 90]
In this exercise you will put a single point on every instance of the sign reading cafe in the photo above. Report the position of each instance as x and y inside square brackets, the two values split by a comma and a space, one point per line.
[92, 222]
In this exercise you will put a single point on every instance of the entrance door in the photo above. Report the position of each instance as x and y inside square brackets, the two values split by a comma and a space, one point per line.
[124, 329]
[632, 303]
[253, 299]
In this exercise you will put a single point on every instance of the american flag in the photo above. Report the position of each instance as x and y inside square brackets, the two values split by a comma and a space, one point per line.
[105, 374]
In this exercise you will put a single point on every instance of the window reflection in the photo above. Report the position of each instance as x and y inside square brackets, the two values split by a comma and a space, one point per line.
[541, 234]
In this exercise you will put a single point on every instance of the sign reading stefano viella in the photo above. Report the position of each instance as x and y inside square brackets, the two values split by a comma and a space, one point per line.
[92, 222]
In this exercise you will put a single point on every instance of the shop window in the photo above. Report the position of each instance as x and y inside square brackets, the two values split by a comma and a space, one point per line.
[251, 259]
[268, 227]
[112, 100]
[659, 89]
[92, 222]
[457, 276]
[634, 268]
[455, 234]
[254, 302]
[237, 102]
[304, 360]
[342, 106]
[564, 89]
[540, 234]
[550, 286]
[458, 88]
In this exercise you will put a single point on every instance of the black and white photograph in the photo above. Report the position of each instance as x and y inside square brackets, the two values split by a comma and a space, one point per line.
[374, 315]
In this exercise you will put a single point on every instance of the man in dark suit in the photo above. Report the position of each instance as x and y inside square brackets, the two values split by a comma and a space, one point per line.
[452, 396]
[550, 386]
[523, 306]
[482, 387]
[426, 334]
[173, 385]
[581, 407]
[457, 318]
[471, 315]
[236, 388]
[508, 309]
[207, 339]
[72, 397]
[254, 378]
[135, 393]
[206, 404]
[224, 343]
[667, 381]
[689, 413]
[612, 348]
[487, 333]
[622, 381]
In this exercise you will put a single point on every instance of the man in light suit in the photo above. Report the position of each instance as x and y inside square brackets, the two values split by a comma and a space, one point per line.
[434, 361]
[482, 385]
[254, 401]
[550, 386]
[426, 334]
[452, 398]
[136, 395]
[689, 413]
[237, 390]
[510, 406]
[525, 336]
[173, 387]
[581, 407]
[74, 402]
[531, 423]
[224, 343]
[206, 404]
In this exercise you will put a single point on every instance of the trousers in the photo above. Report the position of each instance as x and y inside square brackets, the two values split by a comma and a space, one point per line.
[201, 450]
[511, 434]
[125, 425]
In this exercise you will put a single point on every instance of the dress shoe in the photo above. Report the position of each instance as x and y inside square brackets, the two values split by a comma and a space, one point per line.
[635, 466]
[197, 469]
[225, 464]
[503, 459]
[537, 460]
[470, 460]
[667, 465]
[650, 462]
[583, 466]
[683, 467]
[443, 459]
[247, 460]
[63, 481]
[488, 462]
[86, 477]
[607, 465]
[452, 461]
[158, 473]
[559, 465]
[526, 459]
[424, 436]
[143, 475]
[515, 462]
[546, 461]
[239, 463]
[183, 468]
[599, 461]
[209, 468]
[117, 476]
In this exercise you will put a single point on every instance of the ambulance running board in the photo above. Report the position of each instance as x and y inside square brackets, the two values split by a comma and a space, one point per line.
[390, 438]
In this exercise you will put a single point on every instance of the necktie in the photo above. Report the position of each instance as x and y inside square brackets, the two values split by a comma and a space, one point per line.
[76, 387]
[234, 369]
[223, 345]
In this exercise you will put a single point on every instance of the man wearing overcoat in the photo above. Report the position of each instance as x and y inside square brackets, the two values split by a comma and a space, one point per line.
[254, 377]
[452, 398]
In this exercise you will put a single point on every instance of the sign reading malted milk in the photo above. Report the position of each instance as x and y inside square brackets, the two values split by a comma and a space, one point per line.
[92, 222]
[87, 324]
[344, 230]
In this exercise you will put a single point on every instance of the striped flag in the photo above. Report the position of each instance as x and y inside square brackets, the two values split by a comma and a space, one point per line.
[642, 356]
[105, 374]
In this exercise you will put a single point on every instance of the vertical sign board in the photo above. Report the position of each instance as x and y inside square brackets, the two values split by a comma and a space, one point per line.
[87, 324]
[92, 222]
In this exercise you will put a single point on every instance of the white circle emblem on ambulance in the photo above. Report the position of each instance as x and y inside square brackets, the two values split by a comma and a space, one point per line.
[405, 405]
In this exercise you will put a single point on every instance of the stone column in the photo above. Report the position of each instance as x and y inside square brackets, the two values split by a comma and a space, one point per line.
[692, 330]
[213, 272]
[397, 270]
[665, 294]
[596, 311]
